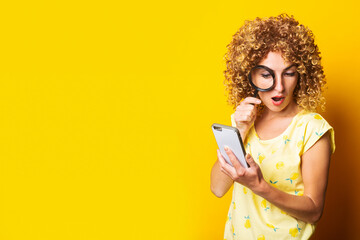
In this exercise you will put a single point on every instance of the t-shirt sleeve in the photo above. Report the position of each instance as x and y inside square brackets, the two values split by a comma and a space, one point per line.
[315, 128]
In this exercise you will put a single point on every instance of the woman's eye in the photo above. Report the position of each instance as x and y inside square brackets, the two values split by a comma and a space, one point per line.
[266, 75]
[289, 74]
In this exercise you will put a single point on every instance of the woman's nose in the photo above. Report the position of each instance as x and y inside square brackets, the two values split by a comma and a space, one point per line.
[279, 86]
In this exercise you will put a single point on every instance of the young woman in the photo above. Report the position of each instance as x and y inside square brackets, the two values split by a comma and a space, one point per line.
[281, 195]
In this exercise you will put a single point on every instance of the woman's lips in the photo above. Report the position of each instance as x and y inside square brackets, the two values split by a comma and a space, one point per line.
[278, 100]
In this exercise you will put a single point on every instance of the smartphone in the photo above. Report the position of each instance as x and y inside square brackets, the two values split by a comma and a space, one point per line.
[229, 136]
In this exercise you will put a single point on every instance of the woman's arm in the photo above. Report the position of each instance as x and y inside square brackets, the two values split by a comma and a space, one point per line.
[244, 117]
[220, 182]
[315, 168]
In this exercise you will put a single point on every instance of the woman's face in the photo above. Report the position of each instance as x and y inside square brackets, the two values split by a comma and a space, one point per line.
[280, 97]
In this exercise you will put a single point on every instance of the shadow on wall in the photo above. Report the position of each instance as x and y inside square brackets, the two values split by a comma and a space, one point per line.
[339, 217]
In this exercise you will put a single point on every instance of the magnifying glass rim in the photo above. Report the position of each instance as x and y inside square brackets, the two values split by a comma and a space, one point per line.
[262, 89]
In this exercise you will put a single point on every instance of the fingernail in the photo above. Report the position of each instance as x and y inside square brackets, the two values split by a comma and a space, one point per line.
[226, 148]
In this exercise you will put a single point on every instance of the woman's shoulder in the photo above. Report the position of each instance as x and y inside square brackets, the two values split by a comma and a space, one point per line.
[310, 117]
[307, 122]
[313, 126]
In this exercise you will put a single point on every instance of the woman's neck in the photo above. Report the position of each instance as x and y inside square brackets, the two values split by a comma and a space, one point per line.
[290, 111]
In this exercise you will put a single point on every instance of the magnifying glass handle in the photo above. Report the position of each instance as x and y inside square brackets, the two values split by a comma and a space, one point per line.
[255, 95]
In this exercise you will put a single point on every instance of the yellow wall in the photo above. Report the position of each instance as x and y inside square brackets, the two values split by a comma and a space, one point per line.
[106, 108]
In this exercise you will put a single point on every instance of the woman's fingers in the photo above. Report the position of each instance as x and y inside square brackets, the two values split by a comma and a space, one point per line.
[246, 111]
[225, 167]
[237, 172]
[240, 170]
[251, 100]
[244, 117]
[248, 107]
[250, 160]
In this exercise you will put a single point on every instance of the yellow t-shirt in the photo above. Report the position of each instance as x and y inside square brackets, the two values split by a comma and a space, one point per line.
[253, 217]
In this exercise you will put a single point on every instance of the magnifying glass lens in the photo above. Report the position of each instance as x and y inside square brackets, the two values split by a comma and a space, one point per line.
[262, 78]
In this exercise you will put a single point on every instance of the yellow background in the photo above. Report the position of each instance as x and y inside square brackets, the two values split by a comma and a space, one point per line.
[106, 108]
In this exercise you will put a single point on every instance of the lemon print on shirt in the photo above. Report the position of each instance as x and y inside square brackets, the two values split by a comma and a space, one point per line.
[299, 193]
[247, 222]
[274, 183]
[286, 139]
[279, 165]
[261, 157]
[301, 142]
[294, 231]
[261, 237]
[253, 196]
[319, 134]
[272, 226]
[263, 204]
[245, 190]
[317, 116]
[247, 146]
[293, 177]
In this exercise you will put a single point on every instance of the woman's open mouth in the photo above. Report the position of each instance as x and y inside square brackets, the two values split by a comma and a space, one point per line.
[277, 100]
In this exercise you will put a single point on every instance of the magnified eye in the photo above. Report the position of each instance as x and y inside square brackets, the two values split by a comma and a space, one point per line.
[261, 78]
[266, 75]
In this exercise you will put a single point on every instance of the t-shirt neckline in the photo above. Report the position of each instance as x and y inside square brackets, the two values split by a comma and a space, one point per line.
[280, 135]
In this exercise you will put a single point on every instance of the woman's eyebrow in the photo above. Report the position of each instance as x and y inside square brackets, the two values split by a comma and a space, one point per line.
[285, 69]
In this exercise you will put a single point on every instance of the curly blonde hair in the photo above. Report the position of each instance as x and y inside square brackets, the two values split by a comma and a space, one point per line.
[255, 39]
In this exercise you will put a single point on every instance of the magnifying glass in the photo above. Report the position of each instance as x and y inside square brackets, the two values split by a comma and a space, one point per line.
[261, 78]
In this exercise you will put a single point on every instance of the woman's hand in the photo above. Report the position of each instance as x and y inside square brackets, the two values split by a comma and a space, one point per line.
[250, 177]
[315, 168]
[245, 115]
